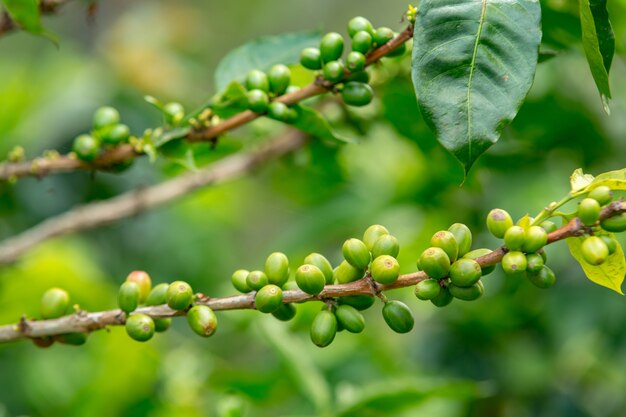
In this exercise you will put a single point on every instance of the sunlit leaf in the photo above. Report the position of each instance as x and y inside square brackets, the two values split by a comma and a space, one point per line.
[610, 274]
[579, 180]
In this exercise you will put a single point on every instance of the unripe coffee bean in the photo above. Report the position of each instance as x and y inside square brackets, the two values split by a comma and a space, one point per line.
[534, 262]
[399, 51]
[323, 264]
[359, 77]
[202, 320]
[257, 80]
[588, 211]
[465, 272]
[356, 253]
[345, 273]
[357, 24]
[54, 303]
[477, 253]
[398, 316]
[611, 243]
[601, 194]
[471, 293]
[362, 42]
[427, 289]
[142, 279]
[615, 224]
[258, 101]
[445, 240]
[281, 112]
[277, 268]
[535, 238]
[331, 47]
[355, 61]
[514, 262]
[323, 328]
[179, 295]
[372, 234]
[279, 77]
[310, 279]
[385, 269]
[310, 58]
[463, 236]
[514, 238]
[268, 298]
[115, 134]
[174, 113]
[435, 263]
[443, 299]
[544, 278]
[360, 302]
[498, 222]
[256, 280]
[548, 226]
[350, 318]
[161, 325]
[140, 327]
[105, 117]
[285, 312]
[86, 147]
[357, 94]
[382, 35]
[158, 295]
[594, 250]
[239, 279]
[386, 245]
[128, 297]
[333, 71]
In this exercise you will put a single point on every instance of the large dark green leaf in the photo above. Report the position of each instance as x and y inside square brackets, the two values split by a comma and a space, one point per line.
[262, 54]
[473, 64]
[599, 44]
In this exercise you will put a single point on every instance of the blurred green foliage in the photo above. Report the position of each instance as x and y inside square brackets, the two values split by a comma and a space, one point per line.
[516, 352]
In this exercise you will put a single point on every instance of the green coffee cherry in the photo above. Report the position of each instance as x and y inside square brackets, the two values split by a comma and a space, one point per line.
[161, 325]
[427, 289]
[279, 78]
[470, 293]
[386, 245]
[277, 268]
[86, 147]
[158, 295]
[142, 279]
[359, 77]
[202, 320]
[54, 303]
[268, 298]
[594, 250]
[534, 262]
[398, 316]
[477, 253]
[323, 328]
[399, 51]
[356, 253]
[357, 94]
[105, 117]
[310, 279]
[615, 224]
[140, 327]
[535, 238]
[548, 226]
[372, 234]
[463, 236]
[331, 47]
[357, 24]
[544, 278]
[345, 273]
[128, 297]
[355, 61]
[322, 263]
[239, 279]
[116, 134]
[362, 42]
[443, 299]
[498, 222]
[179, 295]
[281, 112]
[611, 243]
[257, 80]
[311, 58]
[385, 269]
[445, 240]
[435, 263]
[588, 211]
[285, 312]
[73, 339]
[333, 71]
[174, 113]
[514, 238]
[360, 302]
[465, 272]
[258, 101]
[601, 194]
[256, 280]
[382, 35]
[514, 262]
[350, 318]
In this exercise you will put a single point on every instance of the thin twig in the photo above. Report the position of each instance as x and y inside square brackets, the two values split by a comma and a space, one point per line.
[87, 322]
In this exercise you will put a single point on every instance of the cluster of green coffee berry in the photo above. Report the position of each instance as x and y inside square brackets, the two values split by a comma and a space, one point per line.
[374, 256]
[107, 131]
[264, 87]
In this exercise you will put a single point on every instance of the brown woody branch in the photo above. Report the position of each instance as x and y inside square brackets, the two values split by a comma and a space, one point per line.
[88, 322]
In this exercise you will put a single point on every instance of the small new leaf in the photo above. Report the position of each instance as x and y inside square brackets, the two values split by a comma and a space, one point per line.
[579, 180]
[610, 274]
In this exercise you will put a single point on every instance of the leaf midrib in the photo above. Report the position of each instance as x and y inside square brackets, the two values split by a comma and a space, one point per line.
[483, 12]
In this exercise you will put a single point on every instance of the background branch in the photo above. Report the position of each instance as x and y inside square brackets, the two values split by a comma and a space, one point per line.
[82, 321]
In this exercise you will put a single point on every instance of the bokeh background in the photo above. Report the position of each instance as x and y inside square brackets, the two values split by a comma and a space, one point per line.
[518, 351]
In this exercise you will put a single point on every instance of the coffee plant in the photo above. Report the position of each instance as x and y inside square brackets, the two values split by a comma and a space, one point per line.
[472, 65]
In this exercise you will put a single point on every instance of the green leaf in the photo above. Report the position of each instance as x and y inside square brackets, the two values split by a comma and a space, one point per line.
[27, 15]
[231, 101]
[579, 180]
[161, 137]
[262, 54]
[473, 64]
[610, 274]
[615, 180]
[314, 123]
[599, 44]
